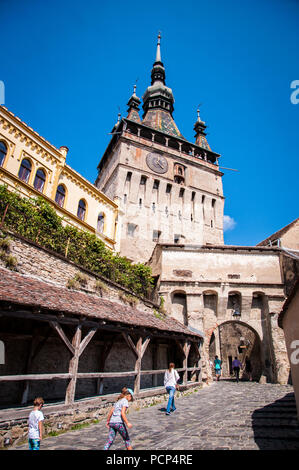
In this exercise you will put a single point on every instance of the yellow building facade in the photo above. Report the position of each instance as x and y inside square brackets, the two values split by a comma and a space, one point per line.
[32, 166]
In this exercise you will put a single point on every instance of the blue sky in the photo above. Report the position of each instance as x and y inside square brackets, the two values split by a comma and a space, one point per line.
[68, 66]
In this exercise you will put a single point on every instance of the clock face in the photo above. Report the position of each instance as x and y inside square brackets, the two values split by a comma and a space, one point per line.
[157, 162]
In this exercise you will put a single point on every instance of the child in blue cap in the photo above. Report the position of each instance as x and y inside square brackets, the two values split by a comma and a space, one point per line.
[117, 420]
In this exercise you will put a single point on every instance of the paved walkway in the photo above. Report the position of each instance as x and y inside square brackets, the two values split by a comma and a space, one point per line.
[225, 415]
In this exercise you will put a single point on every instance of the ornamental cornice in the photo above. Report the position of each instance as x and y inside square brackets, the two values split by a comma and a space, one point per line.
[88, 187]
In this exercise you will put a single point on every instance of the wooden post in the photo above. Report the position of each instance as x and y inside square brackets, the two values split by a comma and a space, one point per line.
[138, 366]
[139, 351]
[200, 362]
[186, 350]
[155, 363]
[73, 367]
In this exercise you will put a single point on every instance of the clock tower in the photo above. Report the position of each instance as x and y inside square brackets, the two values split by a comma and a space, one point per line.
[169, 190]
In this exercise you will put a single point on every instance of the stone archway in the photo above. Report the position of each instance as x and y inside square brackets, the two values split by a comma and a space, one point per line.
[232, 339]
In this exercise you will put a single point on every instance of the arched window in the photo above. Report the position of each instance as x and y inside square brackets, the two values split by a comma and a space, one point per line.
[39, 180]
[81, 209]
[3, 152]
[25, 170]
[101, 222]
[60, 195]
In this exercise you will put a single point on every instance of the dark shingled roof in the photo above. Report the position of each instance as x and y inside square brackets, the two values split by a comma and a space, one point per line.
[31, 292]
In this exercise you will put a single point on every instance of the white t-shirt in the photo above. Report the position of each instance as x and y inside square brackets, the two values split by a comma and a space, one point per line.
[116, 415]
[171, 378]
[34, 418]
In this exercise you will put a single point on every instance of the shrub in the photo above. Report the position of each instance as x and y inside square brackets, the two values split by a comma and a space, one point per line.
[36, 220]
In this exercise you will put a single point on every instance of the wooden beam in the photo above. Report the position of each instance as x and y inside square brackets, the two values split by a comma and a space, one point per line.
[13, 378]
[87, 339]
[181, 348]
[145, 345]
[57, 327]
[130, 343]
[73, 367]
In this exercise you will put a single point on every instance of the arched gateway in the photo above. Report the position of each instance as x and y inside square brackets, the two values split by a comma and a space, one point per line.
[233, 339]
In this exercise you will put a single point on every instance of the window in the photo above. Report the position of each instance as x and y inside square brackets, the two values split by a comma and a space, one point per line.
[3, 152]
[39, 180]
[131, 230]
[125, 198]
[129, 176]
[181, 192]
[168, 188]
[203, 199]
[25, 170]
[213, 202]
[156, 184]
[193, 195]
[140, 203]
[101, 222]
[81, 209]
[143, 180]
[156, 235]
[60, 195]
[154, 207]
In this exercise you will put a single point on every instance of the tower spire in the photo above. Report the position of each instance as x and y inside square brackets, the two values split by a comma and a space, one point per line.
[158, 53]
[200, 129]
[158, 99]
[133, 106]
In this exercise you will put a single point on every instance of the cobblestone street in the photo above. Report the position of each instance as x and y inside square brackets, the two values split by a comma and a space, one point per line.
[225, 415]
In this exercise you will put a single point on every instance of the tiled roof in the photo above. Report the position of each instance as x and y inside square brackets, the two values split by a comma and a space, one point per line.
[161, 121]
[32, 292]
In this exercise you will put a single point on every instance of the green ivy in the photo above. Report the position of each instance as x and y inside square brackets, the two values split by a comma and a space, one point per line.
[36, 220]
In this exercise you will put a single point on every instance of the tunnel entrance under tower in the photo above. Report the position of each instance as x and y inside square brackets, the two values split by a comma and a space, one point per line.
[236, 339]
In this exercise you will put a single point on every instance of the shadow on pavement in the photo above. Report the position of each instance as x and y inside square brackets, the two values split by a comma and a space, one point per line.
[276, 426]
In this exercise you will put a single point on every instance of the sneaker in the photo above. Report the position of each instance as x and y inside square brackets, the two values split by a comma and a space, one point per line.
[167, 414]
[173, 410]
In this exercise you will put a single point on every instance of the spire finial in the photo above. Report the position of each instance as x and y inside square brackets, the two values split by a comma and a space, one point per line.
[158, 54]
[198, 115]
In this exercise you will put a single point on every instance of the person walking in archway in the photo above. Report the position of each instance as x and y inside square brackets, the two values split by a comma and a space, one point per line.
[170, 383]
[236, 368]
[217, 367]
